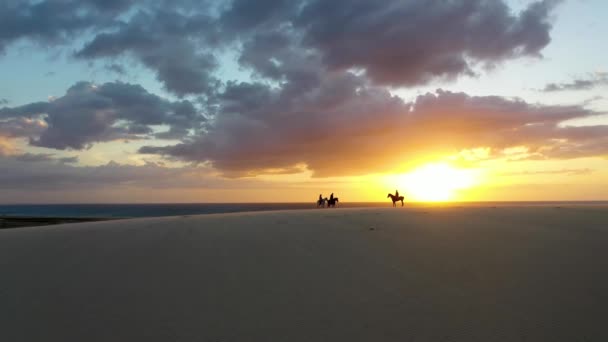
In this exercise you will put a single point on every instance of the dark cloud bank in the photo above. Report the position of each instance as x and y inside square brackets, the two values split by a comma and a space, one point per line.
[322, 73]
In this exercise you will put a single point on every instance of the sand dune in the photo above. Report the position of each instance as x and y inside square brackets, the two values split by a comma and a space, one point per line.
[417, 274]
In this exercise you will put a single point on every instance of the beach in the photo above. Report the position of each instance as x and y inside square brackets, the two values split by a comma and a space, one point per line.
[362, 274]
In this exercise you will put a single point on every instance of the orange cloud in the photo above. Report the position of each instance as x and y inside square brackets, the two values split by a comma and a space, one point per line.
[349, 128]
[6, 146]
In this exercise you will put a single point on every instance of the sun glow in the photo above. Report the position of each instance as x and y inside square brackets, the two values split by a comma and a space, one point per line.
[436, 182]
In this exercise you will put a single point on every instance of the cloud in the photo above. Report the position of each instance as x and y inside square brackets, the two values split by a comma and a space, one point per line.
[396, 43]
[407, 43]
[48, 21]
[334, 124]
[17, 174]
[321, 73]
[44, 158]
[3, 101]
[34, 157]
[56, 182]
[88, 113]
[6, 146]
[345, 125]
[68, 160]
[55, 174]
[157, 33]
[578, 84]
[168, 42]
[16, 127]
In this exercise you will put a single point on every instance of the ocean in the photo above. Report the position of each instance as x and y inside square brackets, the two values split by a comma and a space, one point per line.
[172, 209]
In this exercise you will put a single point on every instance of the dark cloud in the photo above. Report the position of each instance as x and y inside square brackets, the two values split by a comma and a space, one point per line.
[88, 113]
[168, 42]
[399, 43]
[160, 34]
[578, 84]
[29, 110]
[243, 16]
[413, 42]
[54, 21]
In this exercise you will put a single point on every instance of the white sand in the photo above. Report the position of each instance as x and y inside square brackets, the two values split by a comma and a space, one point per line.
[435, 274]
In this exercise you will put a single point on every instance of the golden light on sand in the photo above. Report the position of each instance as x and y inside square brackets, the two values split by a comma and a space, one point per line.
[436, 182]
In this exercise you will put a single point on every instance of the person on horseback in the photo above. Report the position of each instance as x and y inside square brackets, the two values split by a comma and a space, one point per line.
[321, 201]
[331, 197]
[395, 198]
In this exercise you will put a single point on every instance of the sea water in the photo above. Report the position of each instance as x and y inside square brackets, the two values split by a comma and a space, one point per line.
[172, 209]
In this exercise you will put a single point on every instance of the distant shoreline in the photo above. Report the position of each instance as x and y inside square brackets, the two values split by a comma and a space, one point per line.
[9, 222]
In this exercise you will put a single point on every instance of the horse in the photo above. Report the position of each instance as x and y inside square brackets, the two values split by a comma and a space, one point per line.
[321, 203]
[332, 202]
[395, 199]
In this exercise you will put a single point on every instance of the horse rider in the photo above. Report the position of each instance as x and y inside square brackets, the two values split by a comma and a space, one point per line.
[331, 197]
[396, 193]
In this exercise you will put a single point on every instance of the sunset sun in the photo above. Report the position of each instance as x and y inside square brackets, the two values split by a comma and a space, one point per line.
[436, 182]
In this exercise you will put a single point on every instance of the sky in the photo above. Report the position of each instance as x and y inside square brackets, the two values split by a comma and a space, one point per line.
[123, 101]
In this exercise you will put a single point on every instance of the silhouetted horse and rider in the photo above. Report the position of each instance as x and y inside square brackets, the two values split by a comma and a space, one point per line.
[331, 201]
[395, 198]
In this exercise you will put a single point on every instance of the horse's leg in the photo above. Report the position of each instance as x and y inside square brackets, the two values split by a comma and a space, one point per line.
[402, 203]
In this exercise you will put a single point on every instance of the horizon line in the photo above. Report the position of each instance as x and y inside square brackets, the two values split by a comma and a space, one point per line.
[302, 202]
